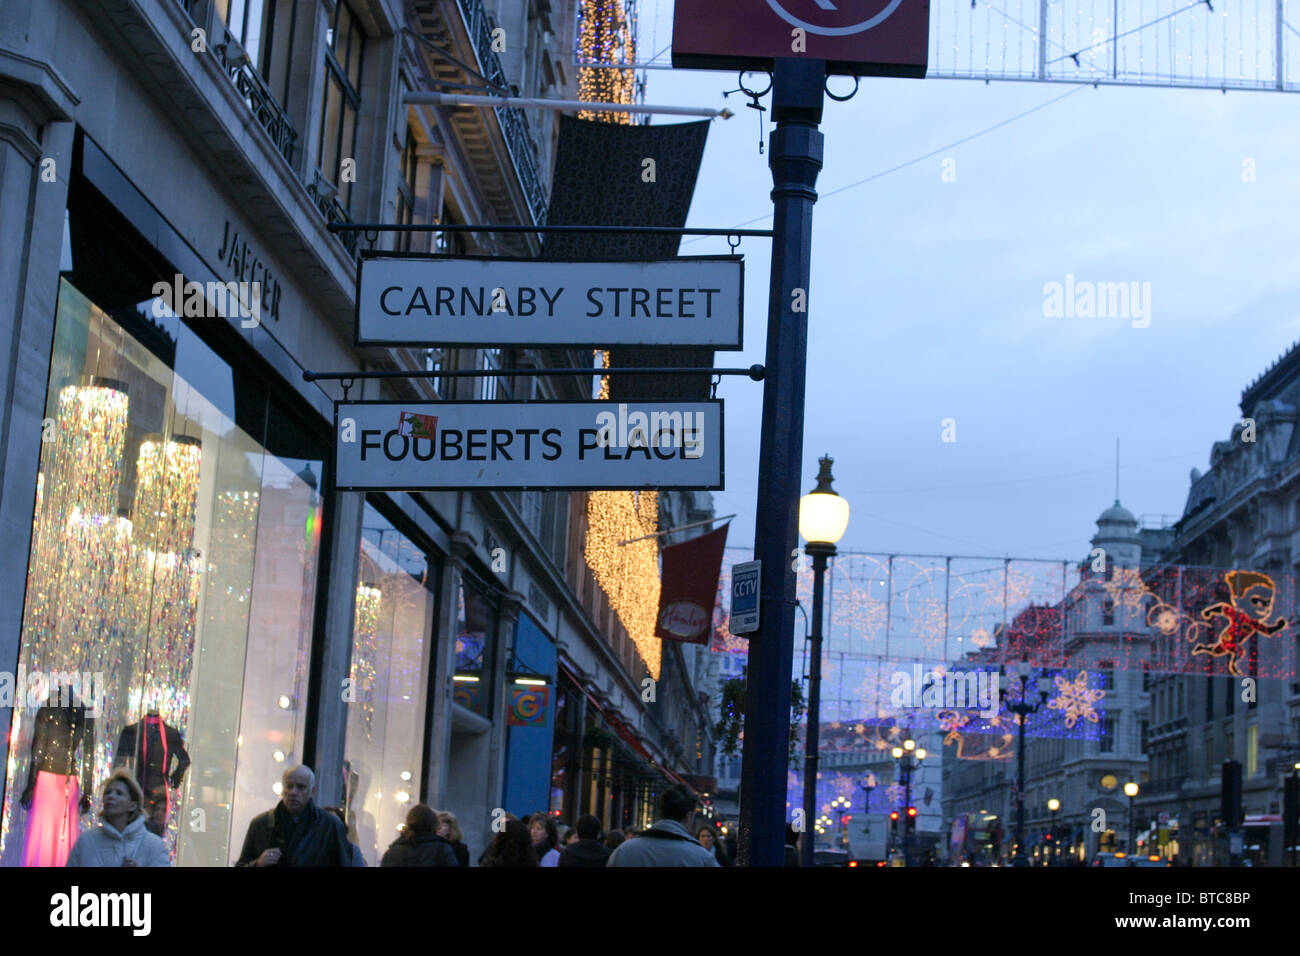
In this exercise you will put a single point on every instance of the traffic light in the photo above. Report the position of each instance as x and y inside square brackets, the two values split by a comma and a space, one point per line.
[911, 819]
[893, 823]
[846, 819]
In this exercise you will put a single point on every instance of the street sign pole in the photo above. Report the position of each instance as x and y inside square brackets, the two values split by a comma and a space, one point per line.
[795, 160]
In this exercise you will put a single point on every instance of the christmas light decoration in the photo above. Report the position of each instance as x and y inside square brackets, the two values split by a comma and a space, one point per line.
[607, 35]
[164, 589]
[628, 574]
[364, 651]
[72, 615]
[1075, 699]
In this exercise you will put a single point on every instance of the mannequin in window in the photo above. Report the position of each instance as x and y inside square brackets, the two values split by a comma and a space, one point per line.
[58, 783]
[155, 752]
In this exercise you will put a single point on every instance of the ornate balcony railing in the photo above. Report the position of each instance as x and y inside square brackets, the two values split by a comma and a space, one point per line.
[325, 196]
[514, 125]
[259, 99]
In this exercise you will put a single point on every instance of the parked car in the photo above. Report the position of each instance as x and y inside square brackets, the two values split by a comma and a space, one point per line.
[1148, 861]
[1106, 858]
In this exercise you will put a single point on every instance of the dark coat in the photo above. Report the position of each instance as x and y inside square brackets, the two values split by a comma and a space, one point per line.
[424, 850]
[462, 853]
[585, 853]
[320, 839]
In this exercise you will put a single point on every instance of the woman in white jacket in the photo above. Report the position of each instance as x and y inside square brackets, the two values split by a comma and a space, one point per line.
[121, 838]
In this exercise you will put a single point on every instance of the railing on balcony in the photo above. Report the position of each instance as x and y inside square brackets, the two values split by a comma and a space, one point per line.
[513, 123]
[325, 196]
[259, 99]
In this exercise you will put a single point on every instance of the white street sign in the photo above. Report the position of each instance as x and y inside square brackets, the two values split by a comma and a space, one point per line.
[543, 445]
[459, 301]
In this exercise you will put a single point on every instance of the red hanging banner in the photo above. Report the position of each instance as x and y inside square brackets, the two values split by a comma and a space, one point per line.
[690, 588]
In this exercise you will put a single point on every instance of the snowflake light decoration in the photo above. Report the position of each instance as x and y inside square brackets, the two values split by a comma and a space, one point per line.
[1075, 699]
[1126, 588]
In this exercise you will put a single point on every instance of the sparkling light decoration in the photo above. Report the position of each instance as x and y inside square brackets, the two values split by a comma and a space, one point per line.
[165, 585]
[71, 619]
[606, 34]
[365, 645]
[628, 574]
[1075, 699]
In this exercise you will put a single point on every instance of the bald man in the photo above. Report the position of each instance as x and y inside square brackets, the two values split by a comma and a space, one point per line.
[296, 832]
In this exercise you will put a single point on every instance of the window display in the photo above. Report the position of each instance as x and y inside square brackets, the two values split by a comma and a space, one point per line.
[173, 568]
[475, 644]
[395, 621]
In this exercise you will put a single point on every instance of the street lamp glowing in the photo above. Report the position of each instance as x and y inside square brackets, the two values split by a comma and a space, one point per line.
[920, 753]
[909, 744]
[1130, 789]
[823, 514]
[898, 753]
[1053, 804]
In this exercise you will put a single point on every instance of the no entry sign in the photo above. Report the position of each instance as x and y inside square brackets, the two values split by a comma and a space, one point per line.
[857, 37]
[416, 446]
[466, 301]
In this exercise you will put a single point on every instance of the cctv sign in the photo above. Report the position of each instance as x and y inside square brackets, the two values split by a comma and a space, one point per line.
[419, 446]
[745, 581]
[856, 37]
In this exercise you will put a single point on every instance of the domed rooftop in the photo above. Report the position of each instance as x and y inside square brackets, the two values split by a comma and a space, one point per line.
[1117, 514]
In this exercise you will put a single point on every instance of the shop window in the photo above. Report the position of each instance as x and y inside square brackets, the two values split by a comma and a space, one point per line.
[393, 623]
[476, 627]
[345, 44]
[491, 387]
[435, 360]
[405, 203]
[174, 558]
[264, 29]
[451, 243]
[1106, 744]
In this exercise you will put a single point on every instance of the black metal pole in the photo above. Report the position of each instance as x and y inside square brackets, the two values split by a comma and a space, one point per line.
[1132, 829]
[909, 765]
[1020, 780]
[820, 552]
[795, 160]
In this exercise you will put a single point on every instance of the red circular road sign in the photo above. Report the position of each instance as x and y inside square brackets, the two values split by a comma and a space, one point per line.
[834, 18]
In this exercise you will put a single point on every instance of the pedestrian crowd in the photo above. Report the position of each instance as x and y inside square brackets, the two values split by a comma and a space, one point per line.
[297, 832]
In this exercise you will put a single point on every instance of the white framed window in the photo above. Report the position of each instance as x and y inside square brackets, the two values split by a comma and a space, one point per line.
[490, 387]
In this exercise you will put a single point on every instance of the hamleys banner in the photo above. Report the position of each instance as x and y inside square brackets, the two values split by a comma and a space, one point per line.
[856, 37]
[690, 588]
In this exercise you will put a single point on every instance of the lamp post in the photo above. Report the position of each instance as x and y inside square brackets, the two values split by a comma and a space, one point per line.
[909, 757]
[840, 807]
[823, 519]
[1053, 805]
[1131, 791]
[1022, 709]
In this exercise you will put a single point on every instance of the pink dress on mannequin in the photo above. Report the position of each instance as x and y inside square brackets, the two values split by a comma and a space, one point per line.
[53, 793]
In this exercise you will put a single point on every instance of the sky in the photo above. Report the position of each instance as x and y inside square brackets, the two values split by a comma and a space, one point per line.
[927, 299]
